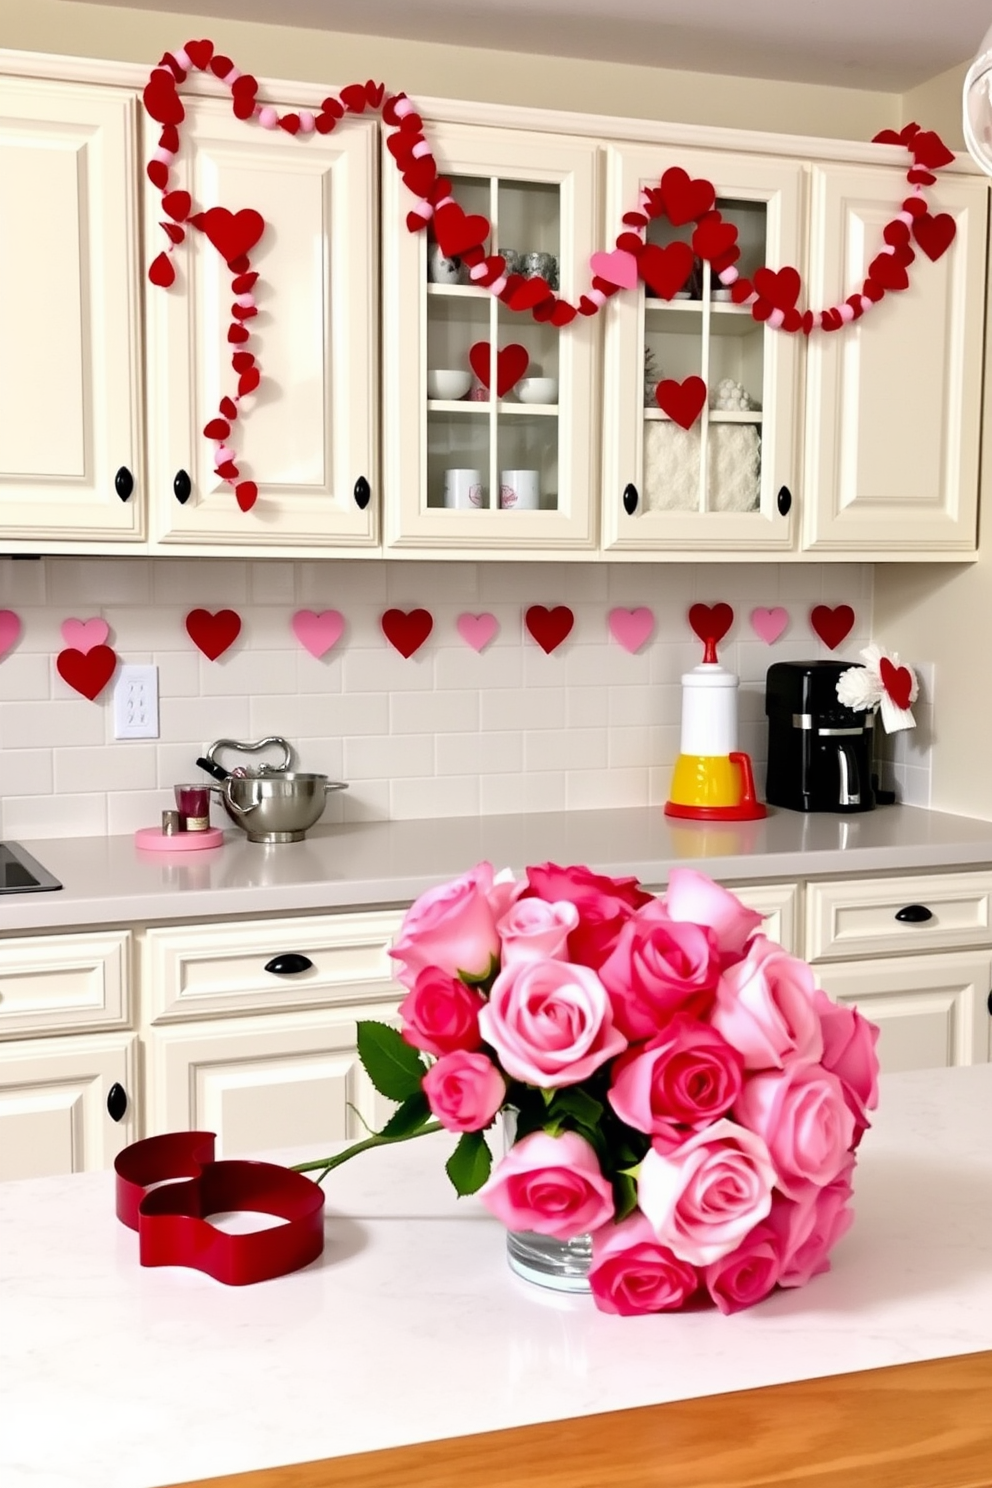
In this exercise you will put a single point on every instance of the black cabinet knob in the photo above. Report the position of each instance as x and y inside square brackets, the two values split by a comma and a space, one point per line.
[914, 914]
[116, 1102]
[990, 1004]
[182, 487]
[363, 493]
[289, 963]
[630, 499]
[124, 483]
[784, 501]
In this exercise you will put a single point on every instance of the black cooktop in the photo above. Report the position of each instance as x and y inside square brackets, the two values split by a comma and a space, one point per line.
[20, 873]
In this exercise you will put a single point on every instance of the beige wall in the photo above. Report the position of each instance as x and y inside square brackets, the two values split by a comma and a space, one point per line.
[141, 36]
[937, 105]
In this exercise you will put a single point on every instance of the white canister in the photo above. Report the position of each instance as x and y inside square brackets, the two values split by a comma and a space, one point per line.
[463, 490]
[709, 710]
[519, 490]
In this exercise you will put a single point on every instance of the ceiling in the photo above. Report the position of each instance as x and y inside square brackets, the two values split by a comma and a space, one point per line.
[888, 45]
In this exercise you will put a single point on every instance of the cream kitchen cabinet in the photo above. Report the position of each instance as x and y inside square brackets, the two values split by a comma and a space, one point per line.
[71, 450]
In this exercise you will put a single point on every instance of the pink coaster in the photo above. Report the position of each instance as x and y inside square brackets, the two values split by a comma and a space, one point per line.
[153, 839]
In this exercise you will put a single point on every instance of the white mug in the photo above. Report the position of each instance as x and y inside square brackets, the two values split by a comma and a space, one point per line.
[519, 490]
[463, 490]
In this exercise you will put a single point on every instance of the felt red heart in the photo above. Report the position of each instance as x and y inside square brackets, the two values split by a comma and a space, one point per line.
[227, 470]
[440, 191]
[229, 408]
[400, 146]
[242, 360]
[412, 124]
[930, 151]
[158, 173]
[220, 65]
[711, 622]
[872, 291]
[919, 177]
[232, 233]
[248, 382]
[455, 231]
[542, 313]
[405, 631]
[511, 364]
[587, 306]
[684, 199]
[169, 61]
[896, 234]
[173, 231]
[682, 401]
[244, 283]
[213, 633]
[237, 334]
[161, 99]
[934, 234]
[549, 627]
[779, 287]
[831, 625]
[887, 271]
[665, 270]
[169, 139]
[243, 105]
[87, 672]
[161, 271]
[199, 53]
[217, 428]
[741, 290]
[713, 237]
[176, 204]
[291, 123]
[246, 494]
[915, 206]
[530, 292]
[420, 175]
[887, 137]
[244, 312]
[563, 313]
[493, 268]
[897, 681]
[353, 97]
[374, 93]
[634, 219]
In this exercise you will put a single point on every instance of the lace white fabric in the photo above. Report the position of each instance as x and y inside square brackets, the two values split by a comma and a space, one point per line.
[671, 467]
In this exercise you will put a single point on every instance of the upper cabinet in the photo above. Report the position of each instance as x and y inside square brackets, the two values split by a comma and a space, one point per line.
[894, 404]
[308, 437]
[71, 459]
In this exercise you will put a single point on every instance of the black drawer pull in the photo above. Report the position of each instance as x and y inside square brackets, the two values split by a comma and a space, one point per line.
[784, 501]
[290, 963]
[116, 1102]
[990, 1004]
[182, 487]
[363, 493]
[630, 499]
[914, 914]
[124, 483]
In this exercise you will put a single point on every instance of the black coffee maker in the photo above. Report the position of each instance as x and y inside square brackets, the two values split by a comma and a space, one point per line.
[819, 752]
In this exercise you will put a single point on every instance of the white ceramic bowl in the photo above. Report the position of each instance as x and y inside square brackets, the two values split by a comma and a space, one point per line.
[452, 383]
[538, 390]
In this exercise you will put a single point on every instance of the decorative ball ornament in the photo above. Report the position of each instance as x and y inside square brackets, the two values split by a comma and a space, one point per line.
[977, 106]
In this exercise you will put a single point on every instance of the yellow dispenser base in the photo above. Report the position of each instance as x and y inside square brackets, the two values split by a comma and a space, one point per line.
[714, 787]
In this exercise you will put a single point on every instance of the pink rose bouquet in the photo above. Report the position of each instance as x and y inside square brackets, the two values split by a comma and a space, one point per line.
[681, 1091]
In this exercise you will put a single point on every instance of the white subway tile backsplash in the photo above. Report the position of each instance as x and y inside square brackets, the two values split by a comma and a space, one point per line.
[130, 765]
[25, 677]
[200, 583]
[55, 816]
[455, 795]
[51, 725]
[566, 749]
[388, 757]
[433, 712]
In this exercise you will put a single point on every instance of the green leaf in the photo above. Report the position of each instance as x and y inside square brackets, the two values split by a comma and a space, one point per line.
[468, 1166]
[574, 1101]
[411, 1116]
[394, 1068]
[624, 1195]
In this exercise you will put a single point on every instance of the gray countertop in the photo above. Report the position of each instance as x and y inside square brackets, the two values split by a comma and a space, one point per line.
[109, 880]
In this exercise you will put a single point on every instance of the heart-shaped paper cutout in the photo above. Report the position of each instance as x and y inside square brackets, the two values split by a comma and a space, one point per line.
[84, 635]
[213, 633]
[631, 628]
[665, 270]
[233, 234]
[477, 630]
[317, 633]
[768, 625]
[934, 234]
[549, 627]
[87, 672]
[684, 199]
[407, 631]
[780, 287]
[10, 629]
[511, 364]
[682, 401]
[456, 232]
[897, 681]
[711, 622]
[831, 625]
[619, 267]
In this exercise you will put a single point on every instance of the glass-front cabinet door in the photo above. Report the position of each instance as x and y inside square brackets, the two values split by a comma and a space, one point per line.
[701, 401]
[490, 418]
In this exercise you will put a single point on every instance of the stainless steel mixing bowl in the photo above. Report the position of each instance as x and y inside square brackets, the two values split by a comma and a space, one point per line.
[278, 806]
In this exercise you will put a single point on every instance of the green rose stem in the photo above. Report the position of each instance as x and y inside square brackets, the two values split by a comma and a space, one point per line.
[378, 1139]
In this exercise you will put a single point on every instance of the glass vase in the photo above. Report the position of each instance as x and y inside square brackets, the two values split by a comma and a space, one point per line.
[562, 1265]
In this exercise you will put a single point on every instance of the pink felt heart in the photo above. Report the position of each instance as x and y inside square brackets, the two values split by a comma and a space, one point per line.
[768, 625]
[10, 629]
[477, 630]
[83, 635]
[317, 633]
[619, 267]
[631, 628]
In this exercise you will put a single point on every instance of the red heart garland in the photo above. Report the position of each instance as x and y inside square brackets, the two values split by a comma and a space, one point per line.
[549, 627]
[665, 270]
[455, 231]
[213, 633]
[897, 681]
[831, 625]
[934, 234]
[685, 200]
[511, 364]
[682, 401]
[161, 271]
[407, 632]
[87, 672]
[232, 233]
[711, 622]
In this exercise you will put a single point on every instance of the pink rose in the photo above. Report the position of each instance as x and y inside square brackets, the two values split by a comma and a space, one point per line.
[693, 897]
[552, 1185]
[506, 890]
[603, 904]
[702, 1198]
[549, 1022]
[849, 1053]
[809, 1230]
[657, 967]
[450, 927]
[802, 1116]
[440, 1013]
[765, 1007]
[686, 1077]
[533, 930]
[748, 1273]
[631, 1273]
[464, 1091]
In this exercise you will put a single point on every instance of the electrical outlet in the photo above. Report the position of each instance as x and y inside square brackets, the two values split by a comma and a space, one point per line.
[136, 703]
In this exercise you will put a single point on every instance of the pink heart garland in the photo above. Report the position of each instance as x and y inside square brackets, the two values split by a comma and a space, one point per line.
[631, 628]
[618, 267]
[317, 633]
[10, 629]
[83, 635]
[768, 625]
[477, 630]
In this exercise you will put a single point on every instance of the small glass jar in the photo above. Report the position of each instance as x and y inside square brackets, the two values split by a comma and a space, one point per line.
[562, 1265]
[193, 802]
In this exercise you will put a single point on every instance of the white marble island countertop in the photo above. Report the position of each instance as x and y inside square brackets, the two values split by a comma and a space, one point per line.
[411, 1327]
[109, 880]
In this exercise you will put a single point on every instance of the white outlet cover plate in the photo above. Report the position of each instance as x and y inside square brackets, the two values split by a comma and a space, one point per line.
[136, 703]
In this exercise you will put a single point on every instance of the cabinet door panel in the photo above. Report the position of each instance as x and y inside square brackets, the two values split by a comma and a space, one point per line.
[53, 1104]
[69, 369]
[309, 433]
[894, 405]
[57, 983]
